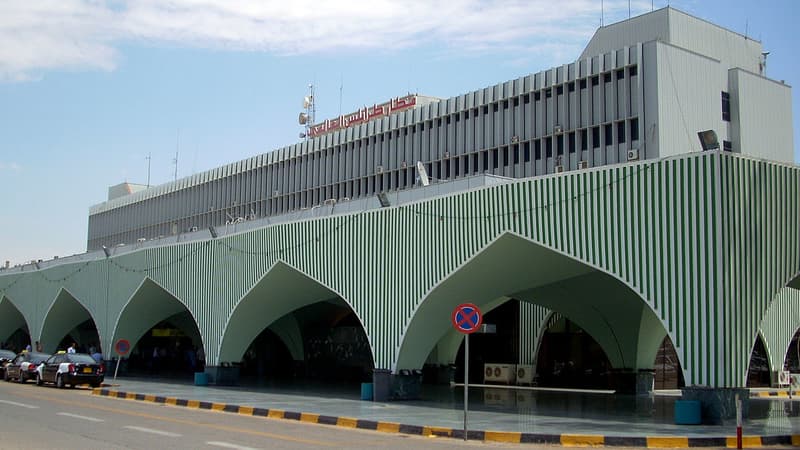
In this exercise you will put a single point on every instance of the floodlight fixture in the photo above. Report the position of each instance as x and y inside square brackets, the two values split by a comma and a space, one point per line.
[708, 139]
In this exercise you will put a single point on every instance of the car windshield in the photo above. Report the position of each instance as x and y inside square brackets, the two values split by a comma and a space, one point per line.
[38, 357]
[81, 358]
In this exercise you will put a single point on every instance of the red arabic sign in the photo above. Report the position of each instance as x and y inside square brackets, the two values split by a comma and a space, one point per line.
[364, 115]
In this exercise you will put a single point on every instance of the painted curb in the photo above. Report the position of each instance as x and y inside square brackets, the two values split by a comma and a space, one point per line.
[567, 440]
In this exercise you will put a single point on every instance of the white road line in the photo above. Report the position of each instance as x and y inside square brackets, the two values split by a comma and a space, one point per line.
[90, 419]
[227, 445]
[152, 431]
[22, 405]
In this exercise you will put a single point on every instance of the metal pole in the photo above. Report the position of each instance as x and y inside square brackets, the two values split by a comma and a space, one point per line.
[119, 358]
[466, 381]
[738, 422]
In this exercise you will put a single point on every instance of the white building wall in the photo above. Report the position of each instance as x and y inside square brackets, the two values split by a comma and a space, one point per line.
[680, 29]
[730, 48]
[761, 117]
[689, 99]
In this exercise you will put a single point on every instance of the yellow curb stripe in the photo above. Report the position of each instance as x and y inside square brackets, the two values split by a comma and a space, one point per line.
[796, 440]
[275, 414]
[193, 404]
[149, 398]
[308, 417]
[388, 427]
[246, 410]
[502, 436]
[667, 442]
[581, 440]
[171, 401]
[130, 396]
[347, 422]
[437, 431]
[218, 406]
[747, 442]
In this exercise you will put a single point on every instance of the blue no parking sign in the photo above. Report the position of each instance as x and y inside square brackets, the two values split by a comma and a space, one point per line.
[467, 318]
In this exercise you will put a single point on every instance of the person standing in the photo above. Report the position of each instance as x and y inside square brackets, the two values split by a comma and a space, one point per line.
[39, 347]
[72, 348]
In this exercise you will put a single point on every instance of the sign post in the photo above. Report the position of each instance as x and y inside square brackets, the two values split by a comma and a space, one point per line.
[466, 319]
[122, 348]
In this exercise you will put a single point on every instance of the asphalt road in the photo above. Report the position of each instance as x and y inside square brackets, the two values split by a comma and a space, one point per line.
[33, 417]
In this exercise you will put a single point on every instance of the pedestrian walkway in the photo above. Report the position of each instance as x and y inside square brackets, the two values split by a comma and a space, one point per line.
[495, 414]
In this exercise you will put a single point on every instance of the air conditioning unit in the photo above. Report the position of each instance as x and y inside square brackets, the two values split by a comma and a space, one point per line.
[559, 168]
[379, 169]
[141, 240]
[784, 378]
[275, 193]
[330, 201]
[633, 154]
[524, 374]
[583, 164]
[192, 229]
[499, 373]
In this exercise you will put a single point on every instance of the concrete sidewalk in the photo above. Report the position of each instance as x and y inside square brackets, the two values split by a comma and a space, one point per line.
[496, 414]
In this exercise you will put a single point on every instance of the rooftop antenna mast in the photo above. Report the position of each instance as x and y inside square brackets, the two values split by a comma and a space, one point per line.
[148, 158]
[306, 118]
[175, 161]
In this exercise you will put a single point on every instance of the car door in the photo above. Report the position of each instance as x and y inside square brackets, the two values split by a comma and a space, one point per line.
[51, 368]
[13, 373]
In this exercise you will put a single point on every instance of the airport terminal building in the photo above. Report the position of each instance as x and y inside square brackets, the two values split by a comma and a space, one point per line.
[645, 191]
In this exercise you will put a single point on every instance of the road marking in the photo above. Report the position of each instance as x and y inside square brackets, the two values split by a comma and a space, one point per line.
[22, 405]
[193, 423]
[90, 419]
[152, 431]
[227, 445]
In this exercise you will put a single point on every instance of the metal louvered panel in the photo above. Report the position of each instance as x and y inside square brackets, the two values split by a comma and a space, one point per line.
[707, 240]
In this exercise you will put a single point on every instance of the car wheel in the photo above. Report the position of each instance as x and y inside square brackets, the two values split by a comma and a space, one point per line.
[59, 382]
[95, 385]
[39, 381]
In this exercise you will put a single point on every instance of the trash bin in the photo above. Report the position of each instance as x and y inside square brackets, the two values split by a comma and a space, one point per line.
[382, 380]
[687, 412]
[366, 391]
[200, 379]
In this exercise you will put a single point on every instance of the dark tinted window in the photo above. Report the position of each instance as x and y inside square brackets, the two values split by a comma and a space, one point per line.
[726, 106]
[81, 358]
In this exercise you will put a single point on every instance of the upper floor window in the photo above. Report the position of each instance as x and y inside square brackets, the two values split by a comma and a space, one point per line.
[726, 106]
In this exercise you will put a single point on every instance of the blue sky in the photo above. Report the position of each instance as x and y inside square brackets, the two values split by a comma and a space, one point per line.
[90, 88]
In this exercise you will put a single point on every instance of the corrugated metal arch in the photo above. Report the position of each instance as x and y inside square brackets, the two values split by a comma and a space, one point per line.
[64, 313]
[251, 316]
[11, 318]
[147, 306]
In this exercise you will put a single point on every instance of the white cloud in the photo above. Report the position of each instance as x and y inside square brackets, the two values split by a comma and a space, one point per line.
[81, 34]
[12, 166]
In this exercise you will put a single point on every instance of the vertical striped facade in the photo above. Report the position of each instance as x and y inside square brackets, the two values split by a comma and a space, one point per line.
[706, 240]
